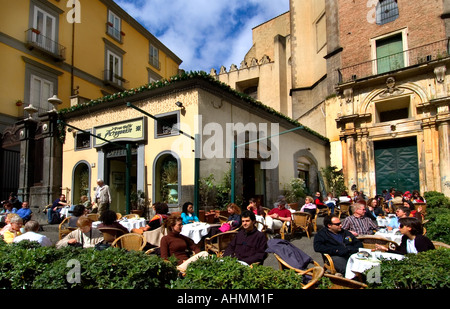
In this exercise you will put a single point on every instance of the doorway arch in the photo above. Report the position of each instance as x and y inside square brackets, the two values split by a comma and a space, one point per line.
[81, 180]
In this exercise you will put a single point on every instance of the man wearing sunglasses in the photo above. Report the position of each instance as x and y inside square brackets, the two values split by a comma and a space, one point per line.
[339, 243]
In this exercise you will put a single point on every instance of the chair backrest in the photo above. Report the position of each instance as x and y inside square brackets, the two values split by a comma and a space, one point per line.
[153, 237]
[132, 216]
[130, 241]
[338, 282]
[118, 216]
[369, 242]
[328, 264]
[93, 217]
[283, 265]
[317, 273]
[438, 244]
[110, 233]
[224, 239]
[300, 218]
[64, 228]
[293, 206]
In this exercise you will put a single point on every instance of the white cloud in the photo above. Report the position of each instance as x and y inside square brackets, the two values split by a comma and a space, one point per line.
[205, 34]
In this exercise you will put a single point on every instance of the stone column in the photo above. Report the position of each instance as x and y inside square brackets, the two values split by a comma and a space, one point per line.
[444, 157]
[352, 176]
[27, 129]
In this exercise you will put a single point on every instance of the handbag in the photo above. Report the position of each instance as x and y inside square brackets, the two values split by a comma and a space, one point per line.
[225, 227]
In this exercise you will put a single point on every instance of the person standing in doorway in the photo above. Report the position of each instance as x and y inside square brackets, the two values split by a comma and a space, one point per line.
[102, 196]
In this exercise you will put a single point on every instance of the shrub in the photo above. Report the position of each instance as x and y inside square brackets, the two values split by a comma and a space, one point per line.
[228, 273]
[27, 265]
[438, 225]
[425, 270]
[436, 200]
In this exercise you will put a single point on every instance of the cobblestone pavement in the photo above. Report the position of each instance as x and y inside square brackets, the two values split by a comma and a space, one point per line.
[300, 241]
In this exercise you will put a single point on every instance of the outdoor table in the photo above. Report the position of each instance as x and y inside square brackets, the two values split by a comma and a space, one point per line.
[382, 221]
[195, 231]
[358, 265]
[128, 223]
[393, 235]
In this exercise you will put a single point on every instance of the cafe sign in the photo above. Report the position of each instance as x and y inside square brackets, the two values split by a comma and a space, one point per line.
[126, 131]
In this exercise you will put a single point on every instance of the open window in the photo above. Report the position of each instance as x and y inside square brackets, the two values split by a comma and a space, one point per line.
[395, 109]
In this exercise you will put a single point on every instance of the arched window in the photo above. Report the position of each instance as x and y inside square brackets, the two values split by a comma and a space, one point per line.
[387, 11]
[166, 184]
[81, 181]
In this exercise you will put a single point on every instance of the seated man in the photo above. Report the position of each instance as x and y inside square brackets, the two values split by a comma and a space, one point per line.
[358, 224]
[339, 243]
[31, 229]
[24, 212]
[249, 245]
[276, 217]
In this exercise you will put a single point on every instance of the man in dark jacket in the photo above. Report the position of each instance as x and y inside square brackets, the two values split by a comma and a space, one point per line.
[337, 242]
[249, 245]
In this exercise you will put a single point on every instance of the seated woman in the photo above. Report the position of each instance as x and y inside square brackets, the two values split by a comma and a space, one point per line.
[373, 209]
[109, 219]
[77, 212]
[175, 244]
[85, 236]
[309, 206]
[413, 240]
[16, 223]
[187, 213]
[234, 220]
[318, 201]
[161, 214]
[331, 202]
[7, 222]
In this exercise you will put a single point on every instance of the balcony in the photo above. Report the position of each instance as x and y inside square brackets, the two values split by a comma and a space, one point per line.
[115, 33]
[395, 62]
[36, 40]
[112, 79]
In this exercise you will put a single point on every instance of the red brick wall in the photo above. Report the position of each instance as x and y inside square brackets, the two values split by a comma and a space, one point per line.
[420, 17]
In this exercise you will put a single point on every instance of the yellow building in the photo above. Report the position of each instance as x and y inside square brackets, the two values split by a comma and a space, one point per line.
[76, 50]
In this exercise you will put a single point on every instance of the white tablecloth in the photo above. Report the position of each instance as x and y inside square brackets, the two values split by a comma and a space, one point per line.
[195, 231]
[391, 235]
[358, 265]
[382, 221]
[129, 224]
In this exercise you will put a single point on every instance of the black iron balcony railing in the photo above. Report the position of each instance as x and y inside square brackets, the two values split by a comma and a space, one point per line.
[408, 58]
[35, 39]
[115, 33]
[114, 79]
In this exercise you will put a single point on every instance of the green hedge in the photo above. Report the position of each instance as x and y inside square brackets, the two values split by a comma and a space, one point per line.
[426, 270]
[228, 273]
[28, 266]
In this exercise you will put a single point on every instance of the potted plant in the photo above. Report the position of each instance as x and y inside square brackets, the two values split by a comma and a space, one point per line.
[19, 102]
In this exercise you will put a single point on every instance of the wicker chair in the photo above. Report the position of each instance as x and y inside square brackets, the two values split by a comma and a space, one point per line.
[132, 216]
[219, 242]
[316, 272]
[301, 221]
[64, 228]
[111, 233]
[338, 282]
[130, 242]
[328, 264]
[94, 217]
[369, 242]
[344, 209]
[438, 244]
[118, 216]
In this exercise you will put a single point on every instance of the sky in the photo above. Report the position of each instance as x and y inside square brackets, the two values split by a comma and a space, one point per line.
[204, 34]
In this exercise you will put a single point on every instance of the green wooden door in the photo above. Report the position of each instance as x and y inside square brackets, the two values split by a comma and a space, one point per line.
[396, 165]
[390, 54]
